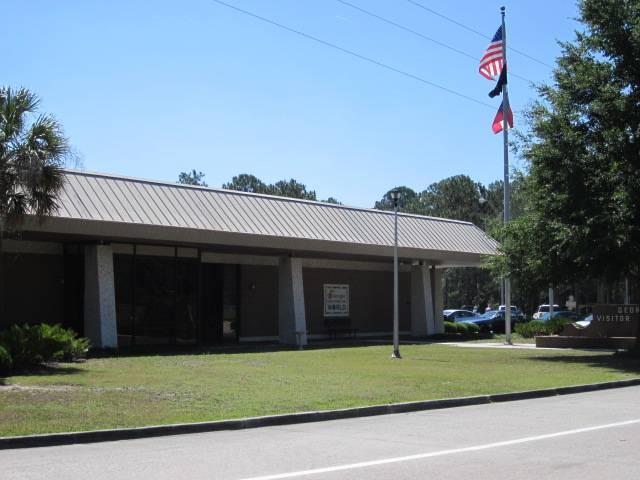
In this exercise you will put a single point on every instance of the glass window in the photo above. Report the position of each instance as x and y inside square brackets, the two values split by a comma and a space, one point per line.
[174, 300]
[230, 302]
[155, 295]
[186, 301]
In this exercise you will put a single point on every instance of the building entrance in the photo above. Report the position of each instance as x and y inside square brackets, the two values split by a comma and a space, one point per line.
[174, 300]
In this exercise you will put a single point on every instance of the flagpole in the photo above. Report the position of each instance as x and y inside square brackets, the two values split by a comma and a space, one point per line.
[507, 193]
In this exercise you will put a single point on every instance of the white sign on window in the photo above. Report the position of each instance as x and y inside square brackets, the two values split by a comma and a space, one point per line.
[336, 300]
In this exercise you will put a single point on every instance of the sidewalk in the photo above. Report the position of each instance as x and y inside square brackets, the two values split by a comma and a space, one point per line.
[518, 346]
[494, 345]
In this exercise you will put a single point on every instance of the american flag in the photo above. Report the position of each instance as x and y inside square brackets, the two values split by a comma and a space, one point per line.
[491, 61]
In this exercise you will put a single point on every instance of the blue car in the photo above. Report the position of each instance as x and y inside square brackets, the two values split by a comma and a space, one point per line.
[546, 316]
[491, 321]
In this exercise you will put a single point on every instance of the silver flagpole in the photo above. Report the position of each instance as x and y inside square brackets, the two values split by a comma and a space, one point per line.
[507, 193]
[396, 309]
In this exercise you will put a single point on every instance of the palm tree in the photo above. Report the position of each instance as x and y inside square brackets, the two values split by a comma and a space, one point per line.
[33, 150]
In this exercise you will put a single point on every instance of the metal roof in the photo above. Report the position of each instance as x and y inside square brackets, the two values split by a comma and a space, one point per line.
[94, 197]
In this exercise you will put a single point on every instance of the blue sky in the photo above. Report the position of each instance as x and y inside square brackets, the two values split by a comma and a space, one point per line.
[150, 88]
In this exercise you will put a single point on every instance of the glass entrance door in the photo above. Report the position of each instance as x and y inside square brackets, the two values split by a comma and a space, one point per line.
[174, 300]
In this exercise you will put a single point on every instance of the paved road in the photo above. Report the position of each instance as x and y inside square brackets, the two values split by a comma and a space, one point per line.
[583, 436]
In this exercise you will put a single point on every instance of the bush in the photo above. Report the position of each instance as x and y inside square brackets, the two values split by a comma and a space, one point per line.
[464, 329]
[33, 344]
[450, 327]
[553, 326]
[62, 343]
[532, 328]
[472, 328]
[5, 360]
[556, 324]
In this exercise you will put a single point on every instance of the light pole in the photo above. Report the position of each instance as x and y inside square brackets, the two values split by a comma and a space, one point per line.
[395, 196]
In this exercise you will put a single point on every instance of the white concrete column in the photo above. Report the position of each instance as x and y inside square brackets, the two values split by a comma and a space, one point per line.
[292, 324]
[422, 321]
[99, 297]
[436, 282]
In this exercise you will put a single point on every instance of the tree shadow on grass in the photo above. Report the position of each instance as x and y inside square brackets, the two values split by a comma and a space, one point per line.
[172, 350]
[621, 362]
[235, 348]
[41, 370]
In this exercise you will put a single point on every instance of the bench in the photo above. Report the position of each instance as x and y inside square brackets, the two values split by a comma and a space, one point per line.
[336, 325]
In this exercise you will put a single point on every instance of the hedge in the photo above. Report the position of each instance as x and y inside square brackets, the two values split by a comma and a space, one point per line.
[465, 329]
[534, 328]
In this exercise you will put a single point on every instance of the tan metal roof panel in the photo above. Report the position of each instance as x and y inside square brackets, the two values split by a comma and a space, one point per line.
[108, 198]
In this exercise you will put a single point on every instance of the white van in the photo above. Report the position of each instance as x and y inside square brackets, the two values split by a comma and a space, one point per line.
[544, 309]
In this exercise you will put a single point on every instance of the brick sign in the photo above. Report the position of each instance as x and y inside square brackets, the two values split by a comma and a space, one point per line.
[616, 313]
[617, 320]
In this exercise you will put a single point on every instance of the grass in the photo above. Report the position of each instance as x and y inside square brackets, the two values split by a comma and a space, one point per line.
[156, 389]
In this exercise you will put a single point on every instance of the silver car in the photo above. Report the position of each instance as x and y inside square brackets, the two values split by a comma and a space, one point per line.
[451, 315]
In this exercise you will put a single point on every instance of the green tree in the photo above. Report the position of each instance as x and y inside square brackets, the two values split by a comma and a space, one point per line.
[247, 183]
[583, 151]
[284, 188]
[33, 150]
[293, 189]
[192, 178]
[408, 201]
[459, 198]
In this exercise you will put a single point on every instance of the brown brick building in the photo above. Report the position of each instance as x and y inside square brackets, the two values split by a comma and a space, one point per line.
[127, 261]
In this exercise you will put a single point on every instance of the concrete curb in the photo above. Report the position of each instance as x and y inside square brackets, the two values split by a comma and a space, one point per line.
[47, 440]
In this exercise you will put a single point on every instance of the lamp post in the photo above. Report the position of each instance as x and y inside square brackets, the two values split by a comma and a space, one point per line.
[395, 197]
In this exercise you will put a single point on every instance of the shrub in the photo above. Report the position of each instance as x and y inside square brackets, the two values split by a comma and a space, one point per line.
[532, 328]
[5, 360]
[450, 327]
[19, 341]
[60, 343]
[556, 324]
[472, 328]
[33, 344]
[464, 329]
[553, 326]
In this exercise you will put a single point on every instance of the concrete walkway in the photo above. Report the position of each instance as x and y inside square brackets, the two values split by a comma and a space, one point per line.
[517, 346]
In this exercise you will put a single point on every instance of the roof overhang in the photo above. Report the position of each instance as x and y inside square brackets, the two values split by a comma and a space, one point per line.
[80, 230]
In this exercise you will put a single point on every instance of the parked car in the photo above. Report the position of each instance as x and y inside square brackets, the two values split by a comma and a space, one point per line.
[451, 315]
[542, 309]
[545, 316]
[491, 321]
[586, 321]
[516, 313]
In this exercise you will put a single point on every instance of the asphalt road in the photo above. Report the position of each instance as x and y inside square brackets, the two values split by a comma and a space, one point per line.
[582, 436]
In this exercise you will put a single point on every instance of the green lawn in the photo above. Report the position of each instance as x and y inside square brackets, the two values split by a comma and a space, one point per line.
[155, 389]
